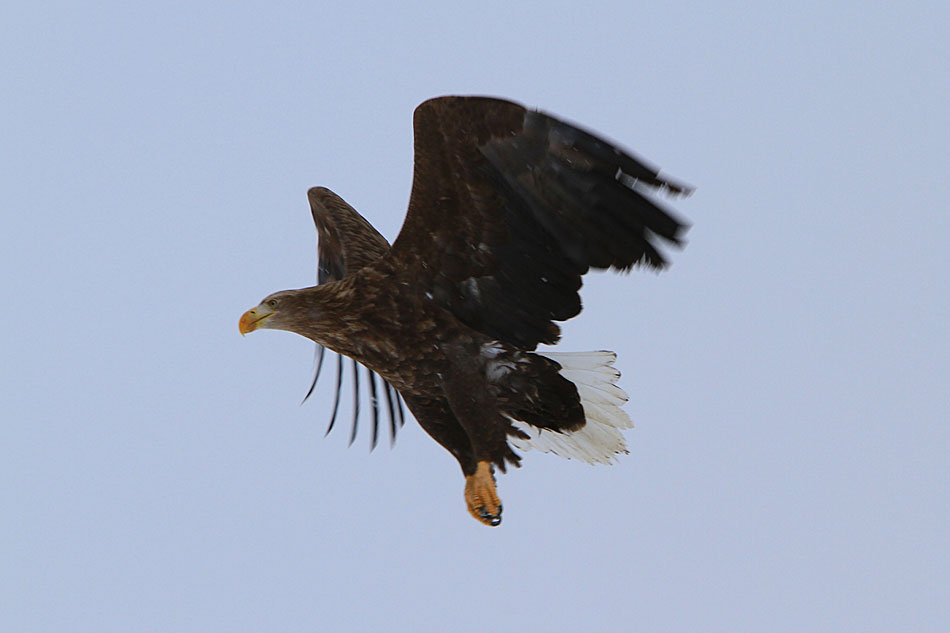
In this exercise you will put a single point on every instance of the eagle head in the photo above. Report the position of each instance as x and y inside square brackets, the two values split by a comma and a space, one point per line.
[278, 311]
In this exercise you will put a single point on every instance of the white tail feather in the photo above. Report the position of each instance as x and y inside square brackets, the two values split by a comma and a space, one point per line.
[598, 441]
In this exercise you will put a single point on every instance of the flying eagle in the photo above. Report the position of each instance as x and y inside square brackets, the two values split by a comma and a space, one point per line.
[509, 209]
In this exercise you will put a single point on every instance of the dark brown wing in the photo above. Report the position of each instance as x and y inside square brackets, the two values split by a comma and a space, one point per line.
[346, 242]
[510, 207]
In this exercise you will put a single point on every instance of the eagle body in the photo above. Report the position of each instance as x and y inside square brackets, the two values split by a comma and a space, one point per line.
[509, 209]
[438, 363]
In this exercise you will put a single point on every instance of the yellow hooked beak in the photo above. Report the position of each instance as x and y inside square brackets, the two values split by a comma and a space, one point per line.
[250, 319]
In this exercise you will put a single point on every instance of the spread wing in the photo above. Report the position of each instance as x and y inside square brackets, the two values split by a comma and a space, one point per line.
[346, 242]
[511, 207]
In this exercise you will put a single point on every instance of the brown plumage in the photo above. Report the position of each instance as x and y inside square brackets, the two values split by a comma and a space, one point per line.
[509, 208]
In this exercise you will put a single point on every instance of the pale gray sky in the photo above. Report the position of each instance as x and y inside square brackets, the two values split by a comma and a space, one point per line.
[788, 376]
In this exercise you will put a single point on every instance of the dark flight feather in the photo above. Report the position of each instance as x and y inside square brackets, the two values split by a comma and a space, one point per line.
[336, 398]
[356, 400]
[318, 355]
[374, 401]
[390, 392]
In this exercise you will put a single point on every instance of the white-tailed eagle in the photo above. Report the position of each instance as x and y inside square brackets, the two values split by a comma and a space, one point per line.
[509, 209]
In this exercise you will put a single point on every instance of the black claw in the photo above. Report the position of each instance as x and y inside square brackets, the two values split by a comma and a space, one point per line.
[493, 519]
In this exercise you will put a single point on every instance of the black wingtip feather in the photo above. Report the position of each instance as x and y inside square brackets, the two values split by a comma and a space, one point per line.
[356, 401]
[336, 398]
[374, 401]
[388, 389]
[318, 353]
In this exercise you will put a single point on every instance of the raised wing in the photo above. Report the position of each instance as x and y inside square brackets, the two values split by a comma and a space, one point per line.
[510, 207]
[346, 242]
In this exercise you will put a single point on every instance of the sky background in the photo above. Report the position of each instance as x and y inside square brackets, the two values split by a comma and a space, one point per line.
[787, 376]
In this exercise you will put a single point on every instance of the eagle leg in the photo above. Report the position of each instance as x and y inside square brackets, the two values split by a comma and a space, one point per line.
[471, 401]
[481, 496]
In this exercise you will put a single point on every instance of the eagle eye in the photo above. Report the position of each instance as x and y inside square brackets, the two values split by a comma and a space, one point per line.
[272, 303]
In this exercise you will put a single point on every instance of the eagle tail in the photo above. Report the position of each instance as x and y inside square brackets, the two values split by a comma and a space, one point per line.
[600, 439]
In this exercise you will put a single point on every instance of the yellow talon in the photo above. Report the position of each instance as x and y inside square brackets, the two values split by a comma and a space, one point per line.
[481, 497]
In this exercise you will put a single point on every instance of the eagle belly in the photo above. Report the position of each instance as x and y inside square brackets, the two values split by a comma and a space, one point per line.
[599, 439]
